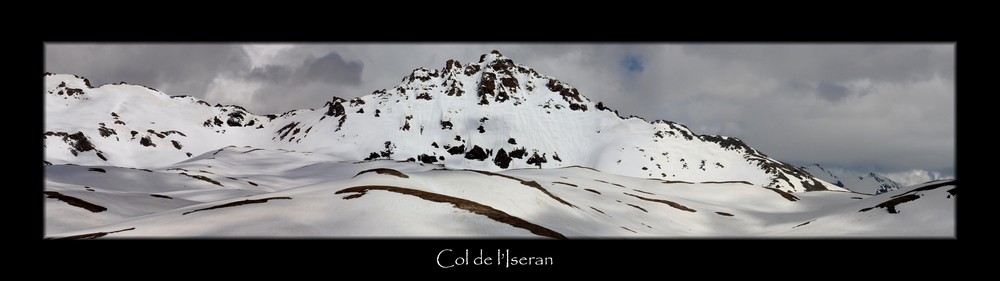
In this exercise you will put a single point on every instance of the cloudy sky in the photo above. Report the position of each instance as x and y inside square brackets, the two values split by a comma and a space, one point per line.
[861, 107]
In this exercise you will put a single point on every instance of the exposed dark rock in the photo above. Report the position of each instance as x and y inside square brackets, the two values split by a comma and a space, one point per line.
[457, 150]
[511, 141]
[476, 153]
[890, 205]
[600, 106]
[537, 160]
[510, 83]
[146, 141]
[487, 86]
[427, 158]
[235, 118]
[502, 160]
[471, 69]
[446, 125]
[287, 129]
[451, 64]
[518, 153]
[335, 109]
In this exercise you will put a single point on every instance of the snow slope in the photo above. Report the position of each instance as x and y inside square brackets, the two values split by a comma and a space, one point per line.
[384, 198]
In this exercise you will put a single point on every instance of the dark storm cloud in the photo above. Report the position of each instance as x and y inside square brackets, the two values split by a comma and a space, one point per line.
[175, 69]
[837, 62]
[218, 73]
[271, 73]
[832, 92]
[333, 68]
[329, 69]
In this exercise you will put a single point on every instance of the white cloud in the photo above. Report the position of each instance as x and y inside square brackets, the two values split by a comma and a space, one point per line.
[916, 177]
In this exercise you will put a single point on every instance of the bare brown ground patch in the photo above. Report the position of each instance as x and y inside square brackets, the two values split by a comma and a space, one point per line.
[891, 203]
[670, 181]
[582, 167]
[94, 235]
[611, 183]
[566, 183]
[75, 202]
[740, 182]
[528, 183]
[204, 178]
[787, 195]
[668, 202]
[460, 203]
[591, 190]
[637, 207]
[238, 203]
[724, 214]
[650, 193]
[384, 171]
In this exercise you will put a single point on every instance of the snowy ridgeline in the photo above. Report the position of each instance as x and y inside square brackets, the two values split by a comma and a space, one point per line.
[871, 183]
[490, 115]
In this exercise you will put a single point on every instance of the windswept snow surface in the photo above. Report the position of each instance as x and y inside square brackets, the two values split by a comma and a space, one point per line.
[453, 152]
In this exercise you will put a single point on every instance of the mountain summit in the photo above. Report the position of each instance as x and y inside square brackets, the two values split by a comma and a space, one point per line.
[488, 115]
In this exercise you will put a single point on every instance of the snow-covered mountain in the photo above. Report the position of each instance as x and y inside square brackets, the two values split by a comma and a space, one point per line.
[489, 115]
[871, 183]
[454, 151]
